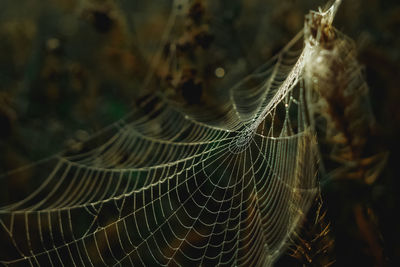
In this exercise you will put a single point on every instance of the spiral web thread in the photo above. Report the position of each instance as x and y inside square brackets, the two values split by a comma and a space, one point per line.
[162, 187]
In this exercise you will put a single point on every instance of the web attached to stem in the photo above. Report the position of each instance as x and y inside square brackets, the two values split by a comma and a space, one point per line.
[170, 187]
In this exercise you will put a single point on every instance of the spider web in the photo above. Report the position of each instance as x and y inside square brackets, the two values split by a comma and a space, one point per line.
[171, 186]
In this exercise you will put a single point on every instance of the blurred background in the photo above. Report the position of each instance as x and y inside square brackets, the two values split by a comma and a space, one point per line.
[68, 68]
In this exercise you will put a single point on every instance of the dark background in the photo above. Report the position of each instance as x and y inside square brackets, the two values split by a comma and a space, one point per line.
[69, 68]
